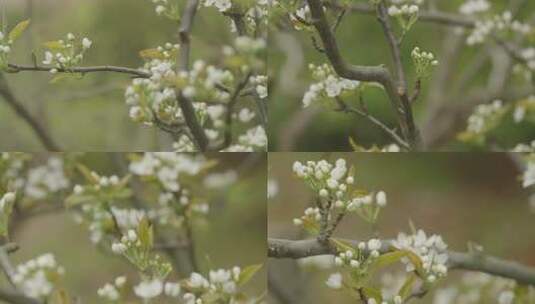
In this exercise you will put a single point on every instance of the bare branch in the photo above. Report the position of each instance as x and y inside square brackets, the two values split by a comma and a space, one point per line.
[14, 68]
[362, 73]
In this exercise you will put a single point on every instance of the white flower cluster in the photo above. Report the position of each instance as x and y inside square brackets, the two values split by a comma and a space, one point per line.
[332, 183]
[431, 251]
[103, 182]
[301, 17]
[47, 179]
[261, 85]
[528, 54]
[112, 292]
[184, 144]
[473, 7]
[311, 215]
[220, 180]
[167, 167]
[64, 54]
[523, 107]
[153, 288]
[128, 218]
[254, 139]
[525, 148]
[407, 8]
[477, 287]
[483, 115]
[221, 281]
[168, 8]
[326, 178]
[498, 23]
[328, 84]
[129, 240]
[35, 278]
[423, 61]
[221, 5]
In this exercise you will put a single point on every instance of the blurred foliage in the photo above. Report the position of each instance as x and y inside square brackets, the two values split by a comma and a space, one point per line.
[234, 232]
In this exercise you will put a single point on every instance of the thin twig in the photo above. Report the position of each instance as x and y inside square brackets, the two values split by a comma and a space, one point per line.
[15, 68]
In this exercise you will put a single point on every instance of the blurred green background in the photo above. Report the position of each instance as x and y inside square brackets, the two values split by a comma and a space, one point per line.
[90, 114]
[361, 41]
[233, 234]
[464, 197]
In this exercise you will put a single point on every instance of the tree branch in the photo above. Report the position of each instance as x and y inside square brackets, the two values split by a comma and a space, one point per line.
[186, 105]
[361, 73]
[281, 248]
[14, 68]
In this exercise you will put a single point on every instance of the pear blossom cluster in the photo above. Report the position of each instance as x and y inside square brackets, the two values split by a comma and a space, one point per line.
[254, 139]
[138, 251]
[300, 17]
[47, 179]
[333, 183]
[220, 282]
[474, 7]
[221, 5]
[167, 167]
[168, 8]
[150, 289]
[484, 117]
[501, 23]
[523, 107]
[111, 292]
[430, 250]
[328, 85]
[423, 61]
[153, 101]
[38, 277]
[66, 53]
[405, 11]
[406, 8]
[476, 287]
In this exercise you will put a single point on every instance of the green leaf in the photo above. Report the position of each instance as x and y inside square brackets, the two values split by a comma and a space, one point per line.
[406, 290]
[310, 226]
[145, 233]
[247, 273]
[54, 45]
[389, 258]
[373, 293]
[77, 199]
[18, 30]
[59, 297]
[86, 173]
[342, 246]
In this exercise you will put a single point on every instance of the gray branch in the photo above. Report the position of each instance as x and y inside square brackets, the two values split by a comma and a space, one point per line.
[15, 68]
[280, 248]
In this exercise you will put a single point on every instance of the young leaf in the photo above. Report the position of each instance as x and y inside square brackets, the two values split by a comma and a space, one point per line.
[247, 273]
[53, 45]
[389, 258]
[342, 246]
[373, 293]
[18, 30]
[406, 289]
